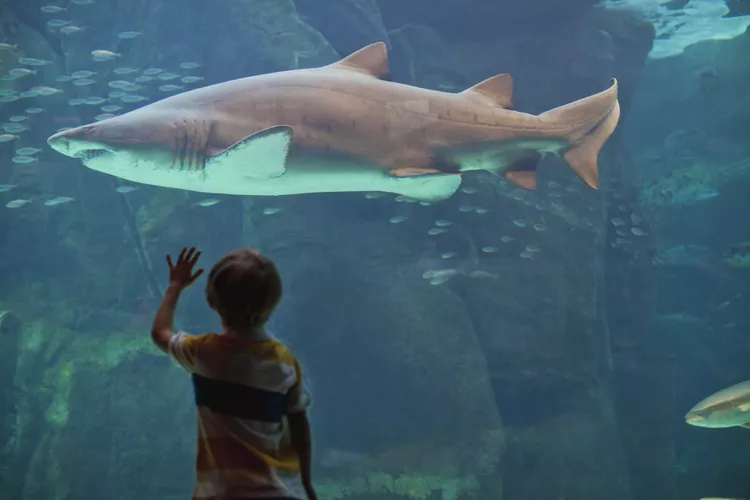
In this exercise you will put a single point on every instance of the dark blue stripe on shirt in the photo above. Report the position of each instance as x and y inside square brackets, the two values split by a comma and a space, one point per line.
[239, 400]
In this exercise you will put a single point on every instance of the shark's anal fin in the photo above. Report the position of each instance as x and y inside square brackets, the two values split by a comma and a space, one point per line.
[497, 90]
[262, 155]
[522, 173]
[371, 60]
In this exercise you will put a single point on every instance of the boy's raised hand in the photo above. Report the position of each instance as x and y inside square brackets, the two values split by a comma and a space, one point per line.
[181, 274]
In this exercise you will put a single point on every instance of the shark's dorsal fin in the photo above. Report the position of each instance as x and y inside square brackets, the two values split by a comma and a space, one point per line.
[498, 89]
[371, 60]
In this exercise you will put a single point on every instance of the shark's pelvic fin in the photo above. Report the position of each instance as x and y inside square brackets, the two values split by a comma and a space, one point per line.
[522, 173]
[497, 90]
[371, 60]
[435, 187]
[263, 155]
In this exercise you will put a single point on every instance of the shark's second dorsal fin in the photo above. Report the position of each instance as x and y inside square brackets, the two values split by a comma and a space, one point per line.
[498, 89]
[371, 60]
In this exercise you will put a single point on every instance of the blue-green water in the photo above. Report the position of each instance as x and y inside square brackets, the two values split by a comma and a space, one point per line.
[500, 343]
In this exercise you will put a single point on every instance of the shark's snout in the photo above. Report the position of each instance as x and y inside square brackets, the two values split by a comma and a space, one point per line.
[74, 143]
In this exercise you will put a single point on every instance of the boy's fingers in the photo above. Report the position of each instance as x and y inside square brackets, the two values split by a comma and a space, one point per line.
[196, 275]
[169, 261]
[182, 255]
[195, 258]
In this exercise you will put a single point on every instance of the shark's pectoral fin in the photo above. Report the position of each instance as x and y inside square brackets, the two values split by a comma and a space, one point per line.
[497, 91]
[745, 426]
[262, 155]
[371, 60]
[522, 173]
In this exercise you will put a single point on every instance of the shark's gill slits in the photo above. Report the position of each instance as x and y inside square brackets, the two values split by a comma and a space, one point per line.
[87, 154]
[189, 145]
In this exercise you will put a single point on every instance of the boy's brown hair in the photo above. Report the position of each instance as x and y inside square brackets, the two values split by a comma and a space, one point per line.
[244, 287]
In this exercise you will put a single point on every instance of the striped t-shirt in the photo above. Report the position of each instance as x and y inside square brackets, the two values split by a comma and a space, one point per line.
[243, 390]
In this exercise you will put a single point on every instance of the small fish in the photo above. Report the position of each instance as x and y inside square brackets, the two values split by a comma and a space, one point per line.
[533, 248]
[18, 118]
[469, 190]
[481, 210]
[437, 230]
[191, 79]
[168, 76]
[520, 222]
[9, 98]
[271, 211]
[465, 208]
[638, 231]
[103, 55]
[83, 82]
[95, 101]
[117, 84]
[17, 203]
[617, 222]
[63, 78]
[152, 71]
[19, 72]
[125, 71]
[52, 9]
[738, 255]
[527, 255]
[540, 227]
[190, 65]
[83, 2]
[4, 188]
[132, 98]
[103, 116]
[14, 128]
[574, 188]
[30, 61]
[34, 111]
[373, 196]
[21, 160]
[448, 255]
[57, 23]
[144, 79]
[7, 138]
[443, 223]
[208, 202]
[490, 249]
[4, 92]
[111, 108]
[69, 30]
[76, 101]
[128, 35]
[507, 239]
[553, 185]
[126, 189]
[397, 219]
[46, 91]
[27, 151]
[7, 46]
[83, 74]
[58, 201]
[170, 88]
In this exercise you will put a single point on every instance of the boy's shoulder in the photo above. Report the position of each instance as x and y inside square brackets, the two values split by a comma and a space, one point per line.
[266, 348]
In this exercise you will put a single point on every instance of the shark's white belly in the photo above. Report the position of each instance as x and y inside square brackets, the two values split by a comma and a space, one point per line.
[303, 175]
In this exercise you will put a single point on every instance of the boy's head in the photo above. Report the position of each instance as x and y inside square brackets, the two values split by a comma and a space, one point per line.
[244, 287]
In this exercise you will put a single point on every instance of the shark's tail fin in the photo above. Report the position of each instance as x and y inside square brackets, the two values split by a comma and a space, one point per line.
[588, 124]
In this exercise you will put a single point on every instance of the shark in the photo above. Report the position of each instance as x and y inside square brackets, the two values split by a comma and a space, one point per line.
[344, 127]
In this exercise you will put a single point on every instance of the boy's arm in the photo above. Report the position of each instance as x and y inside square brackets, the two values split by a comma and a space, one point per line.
[299, 429]
[181, 276]
[162, 329]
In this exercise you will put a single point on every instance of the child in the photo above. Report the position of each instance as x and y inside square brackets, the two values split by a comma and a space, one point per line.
[253, 432]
